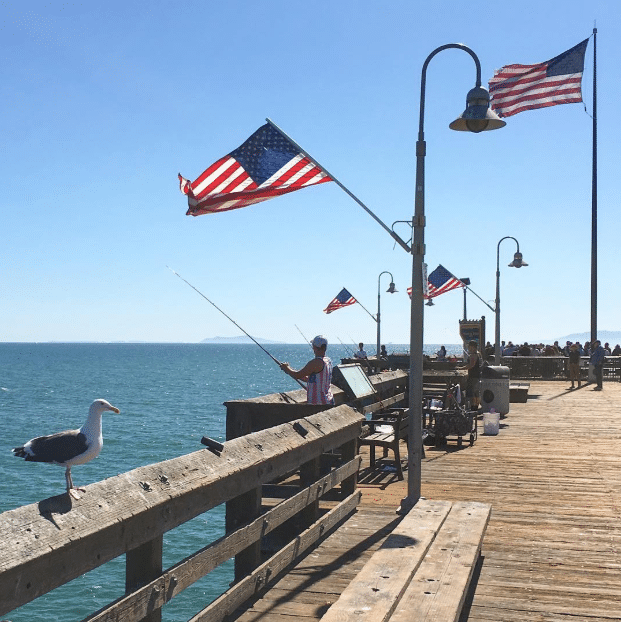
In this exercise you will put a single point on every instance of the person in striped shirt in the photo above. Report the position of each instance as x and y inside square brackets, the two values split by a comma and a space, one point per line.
[317, 374]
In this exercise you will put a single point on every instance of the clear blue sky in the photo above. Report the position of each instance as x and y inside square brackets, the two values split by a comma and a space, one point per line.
[103, 103]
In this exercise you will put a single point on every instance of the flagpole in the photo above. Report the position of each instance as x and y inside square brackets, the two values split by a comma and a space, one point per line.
[594, 200]
[338, 183]
[481, 299]
[374, 318]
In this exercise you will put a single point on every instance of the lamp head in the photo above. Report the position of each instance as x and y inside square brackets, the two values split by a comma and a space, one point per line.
[430, 303]
[517, 261]
[465, 281]
[478, 116]
[391, 288]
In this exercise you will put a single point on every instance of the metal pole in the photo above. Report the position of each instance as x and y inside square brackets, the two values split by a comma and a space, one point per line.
[377, 352]
[377, 318]
[417, 303]
[594, 200]
[394, 236]
[497, 305]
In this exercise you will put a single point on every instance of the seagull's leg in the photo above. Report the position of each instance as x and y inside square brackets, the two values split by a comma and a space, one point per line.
[73, 492]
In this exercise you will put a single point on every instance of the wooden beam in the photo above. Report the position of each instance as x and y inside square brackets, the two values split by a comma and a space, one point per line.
[182, 575]
[267, 572]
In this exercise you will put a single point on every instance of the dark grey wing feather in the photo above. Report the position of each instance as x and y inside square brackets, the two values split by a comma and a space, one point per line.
[58, 447]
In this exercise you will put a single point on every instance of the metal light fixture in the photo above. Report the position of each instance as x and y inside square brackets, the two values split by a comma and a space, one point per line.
[392, 289]
[517, 262]
[478, 116]
[430, 303]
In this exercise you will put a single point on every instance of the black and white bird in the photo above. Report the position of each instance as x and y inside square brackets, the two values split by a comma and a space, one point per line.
[69, 447]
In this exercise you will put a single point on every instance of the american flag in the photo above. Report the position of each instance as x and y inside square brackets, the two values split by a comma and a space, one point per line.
[440, 281]
[516, 88]
[344, 299]
[265, 166]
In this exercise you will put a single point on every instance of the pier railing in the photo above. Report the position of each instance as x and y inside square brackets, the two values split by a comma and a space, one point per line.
[556, 367]
[48, 544]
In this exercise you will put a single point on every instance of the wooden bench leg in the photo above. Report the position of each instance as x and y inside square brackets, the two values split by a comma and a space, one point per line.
[398, 459]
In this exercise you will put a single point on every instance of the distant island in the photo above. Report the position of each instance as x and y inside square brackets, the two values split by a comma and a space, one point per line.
[237, 340]
[610, 336]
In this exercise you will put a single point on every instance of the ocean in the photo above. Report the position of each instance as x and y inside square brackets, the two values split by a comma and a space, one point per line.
[170, 396]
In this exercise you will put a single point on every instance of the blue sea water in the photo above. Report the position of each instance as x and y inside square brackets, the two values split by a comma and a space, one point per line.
[170, 395]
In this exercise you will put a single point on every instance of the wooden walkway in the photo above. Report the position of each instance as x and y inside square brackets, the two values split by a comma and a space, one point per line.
[552, 551]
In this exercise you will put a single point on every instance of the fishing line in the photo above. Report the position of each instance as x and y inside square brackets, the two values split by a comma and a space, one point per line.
[303, 337]
[234, 322]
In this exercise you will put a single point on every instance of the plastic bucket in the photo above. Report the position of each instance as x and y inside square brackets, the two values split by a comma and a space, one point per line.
[491, 423]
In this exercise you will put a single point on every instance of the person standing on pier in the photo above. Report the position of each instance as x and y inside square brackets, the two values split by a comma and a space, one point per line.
[574, 365]
[597, 360]
[317, 374]
[474, 375]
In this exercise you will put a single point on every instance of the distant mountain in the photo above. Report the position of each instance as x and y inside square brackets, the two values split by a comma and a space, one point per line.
[242, 339]
[610, 336]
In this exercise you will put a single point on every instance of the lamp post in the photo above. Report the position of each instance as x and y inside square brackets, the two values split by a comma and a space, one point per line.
[476, 118]
[466, 282]
[391, 290]
[516, 263]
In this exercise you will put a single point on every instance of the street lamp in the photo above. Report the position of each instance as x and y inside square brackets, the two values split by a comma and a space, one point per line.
[466, 282]
[391, 290]
[516, 263]
[476, 118]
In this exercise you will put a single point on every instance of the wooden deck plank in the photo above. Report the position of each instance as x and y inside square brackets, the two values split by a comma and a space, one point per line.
[552, 550]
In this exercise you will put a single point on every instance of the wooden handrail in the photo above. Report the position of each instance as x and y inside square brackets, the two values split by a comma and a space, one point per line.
[45, 545]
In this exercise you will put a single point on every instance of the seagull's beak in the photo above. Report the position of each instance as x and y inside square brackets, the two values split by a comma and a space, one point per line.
[114, 409]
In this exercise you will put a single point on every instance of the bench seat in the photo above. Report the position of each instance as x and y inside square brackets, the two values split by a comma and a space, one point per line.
[423, 569]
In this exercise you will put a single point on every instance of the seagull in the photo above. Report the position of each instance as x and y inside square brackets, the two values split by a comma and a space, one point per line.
[69, 447]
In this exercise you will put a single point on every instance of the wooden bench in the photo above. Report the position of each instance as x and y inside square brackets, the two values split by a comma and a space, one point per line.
[394, 422]
[518, 392]
[423, 569]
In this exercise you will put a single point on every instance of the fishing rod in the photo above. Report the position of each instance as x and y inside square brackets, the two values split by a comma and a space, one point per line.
[346, 348]
[303, 337]
[234, 322]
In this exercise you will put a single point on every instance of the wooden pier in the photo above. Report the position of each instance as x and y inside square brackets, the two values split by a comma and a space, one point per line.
[552, 550]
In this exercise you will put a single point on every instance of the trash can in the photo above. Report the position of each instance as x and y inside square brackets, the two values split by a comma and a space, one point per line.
[494, 389]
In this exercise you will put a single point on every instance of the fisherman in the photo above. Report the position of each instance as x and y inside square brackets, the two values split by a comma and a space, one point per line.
[361, 354]
[317, 374]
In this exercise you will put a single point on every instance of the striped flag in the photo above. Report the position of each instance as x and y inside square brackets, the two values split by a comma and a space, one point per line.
[440, 281]
[516, 88]
[344, 299]
[265, 166]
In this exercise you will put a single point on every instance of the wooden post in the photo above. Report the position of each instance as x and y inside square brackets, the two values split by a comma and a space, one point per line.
[309, 473]
[348, 452]
[142, 565]
[240, 510]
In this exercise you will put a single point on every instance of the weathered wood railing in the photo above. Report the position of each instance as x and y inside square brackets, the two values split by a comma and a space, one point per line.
[50, 543]
[251, 415]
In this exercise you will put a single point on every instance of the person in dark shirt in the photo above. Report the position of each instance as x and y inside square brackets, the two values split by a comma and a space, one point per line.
[574, 365]
[597, 360]
[474, 375]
